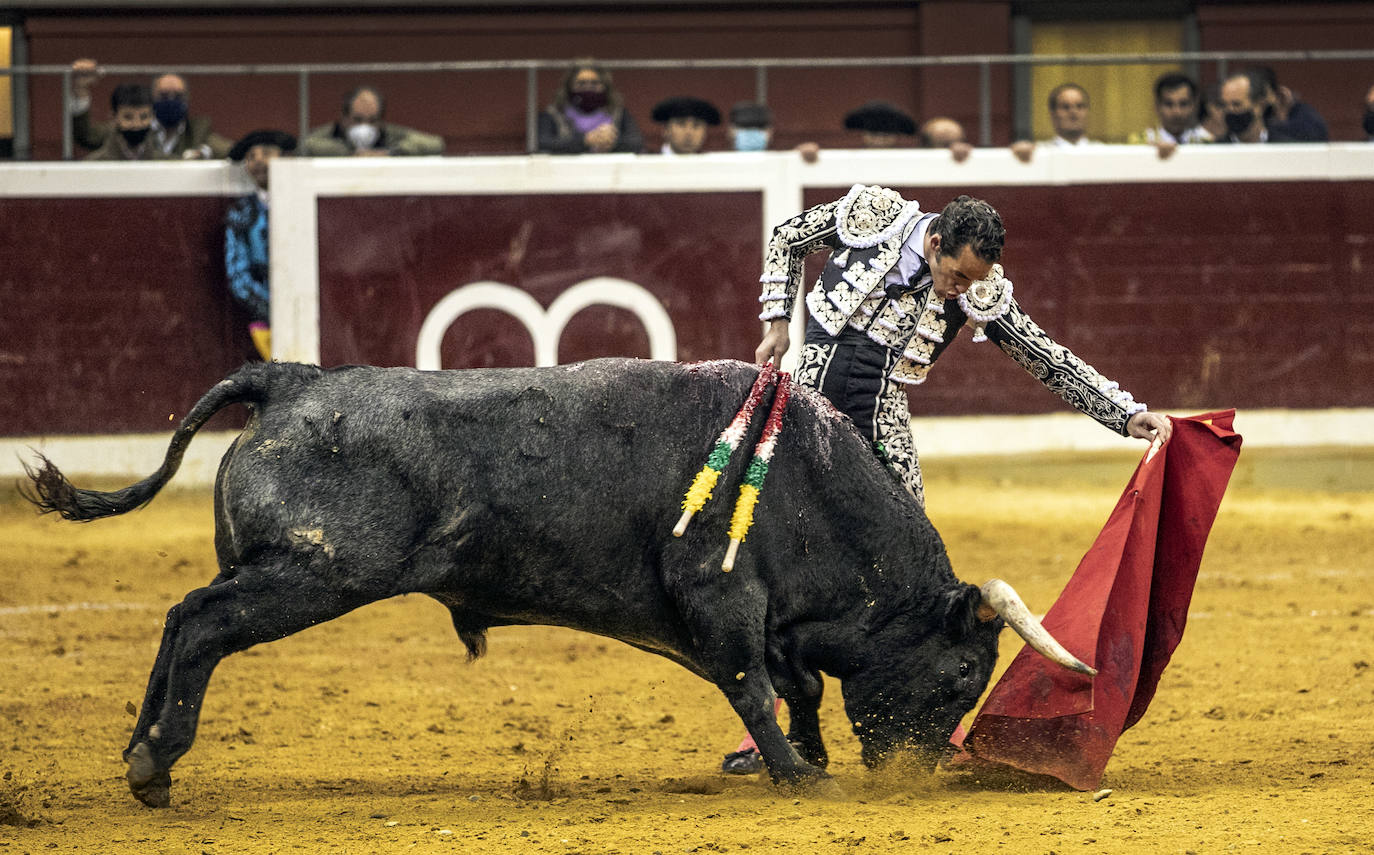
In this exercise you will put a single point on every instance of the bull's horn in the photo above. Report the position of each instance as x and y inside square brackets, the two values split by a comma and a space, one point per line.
[1001, 599]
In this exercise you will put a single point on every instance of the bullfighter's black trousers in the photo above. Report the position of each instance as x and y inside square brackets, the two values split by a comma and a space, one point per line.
[851, 370]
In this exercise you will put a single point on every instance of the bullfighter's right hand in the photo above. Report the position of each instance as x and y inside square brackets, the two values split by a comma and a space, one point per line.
[775, 342]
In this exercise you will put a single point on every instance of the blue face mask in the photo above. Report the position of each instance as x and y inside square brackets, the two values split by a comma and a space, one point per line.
[169, 111]
[751, 139]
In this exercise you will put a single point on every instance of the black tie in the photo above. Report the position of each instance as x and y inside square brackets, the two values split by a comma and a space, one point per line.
[894, 291]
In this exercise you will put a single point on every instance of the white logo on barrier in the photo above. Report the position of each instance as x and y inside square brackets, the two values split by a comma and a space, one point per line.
[546, 328]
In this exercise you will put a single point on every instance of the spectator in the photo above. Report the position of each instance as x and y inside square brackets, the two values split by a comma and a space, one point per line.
[685, 120]
[1069, 111]
[246, 236]
[177, 133]
[130, 135]
[1212, 114]
[1369, 114]
[1285, 117]
[881, 124]
[362, 130]
[751, 126]
[588, 115]
[1242, 97]
[1176, 106]
[943, 132]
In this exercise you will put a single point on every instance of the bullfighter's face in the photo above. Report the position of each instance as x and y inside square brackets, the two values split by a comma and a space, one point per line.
[952, 274]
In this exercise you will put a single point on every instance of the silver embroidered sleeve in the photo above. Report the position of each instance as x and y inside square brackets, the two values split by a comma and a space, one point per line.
[784, 260]
[1063, 373]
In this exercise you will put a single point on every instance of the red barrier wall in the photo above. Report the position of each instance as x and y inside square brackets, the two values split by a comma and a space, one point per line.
[115, 314]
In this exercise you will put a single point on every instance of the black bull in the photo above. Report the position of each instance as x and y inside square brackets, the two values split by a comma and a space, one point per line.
[547, 496]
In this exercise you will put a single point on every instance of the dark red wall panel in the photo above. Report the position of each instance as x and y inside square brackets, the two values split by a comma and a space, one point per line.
[385, 263]
[115, 313]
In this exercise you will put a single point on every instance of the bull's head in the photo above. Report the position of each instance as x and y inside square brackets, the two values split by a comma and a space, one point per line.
[932, 675]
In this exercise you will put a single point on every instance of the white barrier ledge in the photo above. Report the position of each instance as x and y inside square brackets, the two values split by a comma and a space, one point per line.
[134, 456]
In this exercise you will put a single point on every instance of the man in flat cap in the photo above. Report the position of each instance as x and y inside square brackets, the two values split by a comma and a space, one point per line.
[751, 126]
[685, 120]
[882, 125]
[246, 234]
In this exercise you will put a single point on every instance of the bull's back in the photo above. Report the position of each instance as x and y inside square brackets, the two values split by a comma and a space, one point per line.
[516, 486]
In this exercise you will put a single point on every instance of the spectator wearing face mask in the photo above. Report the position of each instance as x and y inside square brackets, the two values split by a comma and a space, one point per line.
[130, 135]
[1242, 99]
[173, 129]
[587, 115]
[362, 131]
[751, 126]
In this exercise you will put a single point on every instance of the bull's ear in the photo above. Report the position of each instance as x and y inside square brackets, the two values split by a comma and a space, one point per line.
[961, 609]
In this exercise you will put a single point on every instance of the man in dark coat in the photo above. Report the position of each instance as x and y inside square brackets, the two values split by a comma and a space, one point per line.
[174, 131]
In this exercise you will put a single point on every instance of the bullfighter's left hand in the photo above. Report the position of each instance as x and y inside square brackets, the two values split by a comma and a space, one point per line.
[1149, 426]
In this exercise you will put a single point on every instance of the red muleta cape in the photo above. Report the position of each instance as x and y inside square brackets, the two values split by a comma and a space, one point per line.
[1122, 612]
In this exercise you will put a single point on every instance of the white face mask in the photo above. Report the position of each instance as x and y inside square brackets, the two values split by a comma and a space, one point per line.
[363, 136]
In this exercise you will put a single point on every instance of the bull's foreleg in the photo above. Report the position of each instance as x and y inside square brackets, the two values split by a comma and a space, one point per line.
[730, 646]
[209, 624]
[751, 696]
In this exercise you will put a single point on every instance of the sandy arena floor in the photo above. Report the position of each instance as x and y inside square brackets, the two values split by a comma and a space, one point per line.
[371, 734]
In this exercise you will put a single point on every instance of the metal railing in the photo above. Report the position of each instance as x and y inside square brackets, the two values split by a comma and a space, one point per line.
[984, 63]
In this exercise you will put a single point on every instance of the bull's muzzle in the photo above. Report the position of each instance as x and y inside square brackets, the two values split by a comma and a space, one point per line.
[1001, 600]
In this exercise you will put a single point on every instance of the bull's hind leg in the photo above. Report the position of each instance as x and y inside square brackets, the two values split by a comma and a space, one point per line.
[257, 605]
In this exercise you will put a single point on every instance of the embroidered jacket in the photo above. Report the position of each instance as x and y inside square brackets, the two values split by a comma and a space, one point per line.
[865, 231]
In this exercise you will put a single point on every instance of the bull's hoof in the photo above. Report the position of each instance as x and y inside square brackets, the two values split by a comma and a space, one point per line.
[149, 784]
[816, 756]
[801, 779]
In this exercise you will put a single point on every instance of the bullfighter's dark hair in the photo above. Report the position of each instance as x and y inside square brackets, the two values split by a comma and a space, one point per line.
[356, 91]
[970, 222]
[1173, 80]
[131, 95]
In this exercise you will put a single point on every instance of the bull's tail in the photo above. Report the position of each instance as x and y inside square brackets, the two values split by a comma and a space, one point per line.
[52, 492]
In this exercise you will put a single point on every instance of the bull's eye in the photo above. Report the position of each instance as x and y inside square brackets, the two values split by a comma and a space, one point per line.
[964, 669]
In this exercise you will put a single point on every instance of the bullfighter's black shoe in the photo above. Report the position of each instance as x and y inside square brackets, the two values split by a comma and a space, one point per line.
[748, 762]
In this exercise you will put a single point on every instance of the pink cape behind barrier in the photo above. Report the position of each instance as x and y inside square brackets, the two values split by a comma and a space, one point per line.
[1123, 612]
